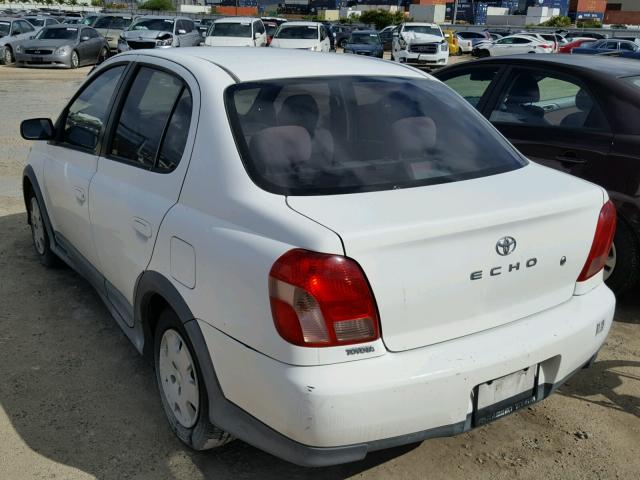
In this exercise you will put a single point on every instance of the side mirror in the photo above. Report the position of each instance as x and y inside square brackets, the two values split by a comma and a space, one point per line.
[84, 38]
[37, 129]
[181, 31]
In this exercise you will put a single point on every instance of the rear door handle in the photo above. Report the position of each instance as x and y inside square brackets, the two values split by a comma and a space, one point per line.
[80, 194]
[141, 226]
[570, 157]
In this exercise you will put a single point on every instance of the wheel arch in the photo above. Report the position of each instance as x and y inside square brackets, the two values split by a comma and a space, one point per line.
[31, 186]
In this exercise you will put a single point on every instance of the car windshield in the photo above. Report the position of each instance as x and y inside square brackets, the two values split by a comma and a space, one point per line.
[69, 33]
[364, 38]
[36, 22]
[5, 28]
[298, 32]
[112, 22]
[155, 24]
[227, 29]
[335, 135]
[422, 29]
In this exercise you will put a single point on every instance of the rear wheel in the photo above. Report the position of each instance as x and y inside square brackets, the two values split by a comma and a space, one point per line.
[622, 270]
[343, 43]
[102, 56]
[182, 390]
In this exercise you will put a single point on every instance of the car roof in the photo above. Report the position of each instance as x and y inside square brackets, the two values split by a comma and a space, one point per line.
[596, 65]
[421, 24]
[66, 25]
[255, 64]
[301, 23]
[236, 19]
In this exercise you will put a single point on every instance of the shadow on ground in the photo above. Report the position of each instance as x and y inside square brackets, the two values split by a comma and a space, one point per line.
[78, 393]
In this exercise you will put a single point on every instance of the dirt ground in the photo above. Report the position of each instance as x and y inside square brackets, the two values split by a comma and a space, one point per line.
[77, 402]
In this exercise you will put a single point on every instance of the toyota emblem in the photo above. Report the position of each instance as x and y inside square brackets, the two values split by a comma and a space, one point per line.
[505, 246]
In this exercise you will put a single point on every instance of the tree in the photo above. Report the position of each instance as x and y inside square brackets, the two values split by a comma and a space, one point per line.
[590, 23]
[557, 22]
[157, 5]
[381, 18]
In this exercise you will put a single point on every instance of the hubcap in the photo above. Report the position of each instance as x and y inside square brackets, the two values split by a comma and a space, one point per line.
[179, 379]
[7, 56]
[37, 227]
[74, 59]
[610, 264]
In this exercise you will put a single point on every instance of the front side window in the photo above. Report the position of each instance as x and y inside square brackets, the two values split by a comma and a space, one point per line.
[536, 98]
[26, 26]
[86, 115]
[297, 32]
[5, 29]
[521, 41]
[347, 134]
[150, 102]
[472, 85]
[259, 27]
[506, 41]
[364, 39]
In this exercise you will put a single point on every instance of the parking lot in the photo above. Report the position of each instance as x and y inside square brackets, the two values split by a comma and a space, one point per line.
[77, 401]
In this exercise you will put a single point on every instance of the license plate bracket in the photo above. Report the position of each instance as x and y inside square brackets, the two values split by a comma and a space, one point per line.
[505, 395]
[37, 59]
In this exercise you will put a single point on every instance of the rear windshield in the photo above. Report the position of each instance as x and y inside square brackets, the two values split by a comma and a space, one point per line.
[300, 32]
[57, 34]
[364, 38]
[231, 29]
[112, 22]
[36, 22]
[348, 134]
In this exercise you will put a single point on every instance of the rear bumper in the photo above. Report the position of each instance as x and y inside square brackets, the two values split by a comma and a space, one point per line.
[331, 414]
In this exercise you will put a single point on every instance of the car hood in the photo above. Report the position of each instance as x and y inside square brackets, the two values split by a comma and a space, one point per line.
[414, 37]
[146, 34]
[293, 43]
[46, 43]
[360, 47]
[228, 41]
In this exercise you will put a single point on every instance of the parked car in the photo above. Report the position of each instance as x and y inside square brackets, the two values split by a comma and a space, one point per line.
[512, 45]
[554, 38]
[364, 42]
[575, 43]
[420, 44]
[224, 231]
[386, 36]
[342, 33]
[159, 32]
[111, 27]
[602, 46]
[204, 25]
[237, 32]
[570, 113]
[41, 21]
[468, 40]
[452, 40]
[633, 39]
[68, 46]
[12, 31]
[302, 35]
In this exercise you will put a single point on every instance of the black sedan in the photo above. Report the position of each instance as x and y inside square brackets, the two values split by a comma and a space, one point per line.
[575, 113]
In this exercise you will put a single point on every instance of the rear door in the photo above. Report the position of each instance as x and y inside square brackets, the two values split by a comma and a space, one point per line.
[554, 119]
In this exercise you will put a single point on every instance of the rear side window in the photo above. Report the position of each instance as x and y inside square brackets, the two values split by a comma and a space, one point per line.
[88, 112]
[345, 134]
[153, 98]
[473, 84]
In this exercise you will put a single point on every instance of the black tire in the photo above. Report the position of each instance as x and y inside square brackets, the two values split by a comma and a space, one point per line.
[203, 435]
[74, 63]
[7, 57]
[103, 55]
[39, 235]
[483, 54]
[343, 43]
[626, 273]
[459, 52]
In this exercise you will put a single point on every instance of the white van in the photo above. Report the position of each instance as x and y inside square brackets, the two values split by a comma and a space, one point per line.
[302, 36]
[237, 32]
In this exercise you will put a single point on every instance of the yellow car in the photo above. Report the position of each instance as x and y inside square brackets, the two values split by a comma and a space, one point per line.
[452, 38]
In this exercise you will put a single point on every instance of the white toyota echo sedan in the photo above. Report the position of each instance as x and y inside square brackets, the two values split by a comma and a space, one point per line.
[314, 258]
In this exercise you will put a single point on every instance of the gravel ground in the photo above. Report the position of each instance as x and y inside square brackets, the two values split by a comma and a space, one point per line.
[77, 402]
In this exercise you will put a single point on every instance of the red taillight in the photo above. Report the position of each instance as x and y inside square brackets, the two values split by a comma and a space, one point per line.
[602, 241]
[544, 45]
[320, 300]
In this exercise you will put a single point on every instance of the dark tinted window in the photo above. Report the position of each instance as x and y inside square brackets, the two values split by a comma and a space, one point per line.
[144, 115]
[259, 27]
[349, 134]
[176, 134]
[539, 99]
[627, 46]
[87, 114]
[472, 85]
[522, 41]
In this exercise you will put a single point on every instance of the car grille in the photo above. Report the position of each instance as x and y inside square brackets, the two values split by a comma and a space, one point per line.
[139, 45]
[424, 48]
[37, 51]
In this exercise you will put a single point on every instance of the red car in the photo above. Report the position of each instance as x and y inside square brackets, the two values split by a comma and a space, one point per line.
[567, 47]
